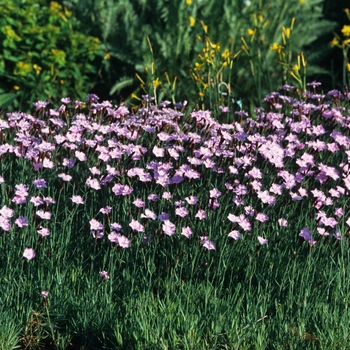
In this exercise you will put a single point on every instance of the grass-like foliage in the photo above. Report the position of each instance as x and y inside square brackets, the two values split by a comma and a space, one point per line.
[166, 229]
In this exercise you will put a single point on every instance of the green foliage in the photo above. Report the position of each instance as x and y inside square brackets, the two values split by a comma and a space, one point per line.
[175, 32]
[43, 53]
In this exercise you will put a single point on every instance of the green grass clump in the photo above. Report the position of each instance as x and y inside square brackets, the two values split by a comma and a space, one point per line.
[170, 230]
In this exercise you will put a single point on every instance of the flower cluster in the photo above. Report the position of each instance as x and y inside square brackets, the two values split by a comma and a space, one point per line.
[159, 173]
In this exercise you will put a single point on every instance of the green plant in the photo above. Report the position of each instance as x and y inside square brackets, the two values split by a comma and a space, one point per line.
[43, 53]
[172, 28]
[344, 45]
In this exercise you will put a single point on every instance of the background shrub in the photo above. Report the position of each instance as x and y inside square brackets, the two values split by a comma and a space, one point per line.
[44, 55]
[176, 33]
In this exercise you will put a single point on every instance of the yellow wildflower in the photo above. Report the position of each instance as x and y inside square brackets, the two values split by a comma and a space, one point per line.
[205, 27]
[250, 32]
[22, 68]
[188, 2]
[348, 67]
[192, 21]
[55, 7]
[37, 68]
[296, 68]
[346, 30]
[302, 2]
[135, 96]
[156, 82]
[286, 32]
[16, 87]
[225, 54]
[107, 56]
[346, 42]
[276, 47]
[334, 42]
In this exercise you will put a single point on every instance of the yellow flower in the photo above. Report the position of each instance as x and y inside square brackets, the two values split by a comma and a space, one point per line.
[250, 32]
[37, 68]
[107, 56]
[346, 42]
[334, 42]
[302, 2]
[156, 82]
[192, 21]
[225, 54]
[22, 68]
[188, 2]
[286, 31]
[276, 47]
[16, 87]
[205, 27]
[346, 30]
[201, 94]
[55, 7]
[348, 67]
[135, 96]
[296, 68]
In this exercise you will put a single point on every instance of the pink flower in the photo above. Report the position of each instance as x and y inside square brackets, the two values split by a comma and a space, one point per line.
[169, 228]
[191, 200]
[29, 253]
[181, 211]
[262, 240]
[77, 199]
[149, 215]
[7, 212]
[158, 151]
[235, 235]
[136, 226]
[116, 226]
[201, 214]
[105, 210]
[21, 221]
[43, 231]
[283, 222]
[40, 183]
[81, 156]
[139, 203]
[104, 275]
[65, 177]
[45, 215]
[262, 217]
[95, 225]
[166, 195]
[214, 193]
[93, 183]
[123, 242]
[186, 231]
[206, 243]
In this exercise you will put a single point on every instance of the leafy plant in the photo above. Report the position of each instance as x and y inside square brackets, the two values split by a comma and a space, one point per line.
[175, 31]
[43, 53]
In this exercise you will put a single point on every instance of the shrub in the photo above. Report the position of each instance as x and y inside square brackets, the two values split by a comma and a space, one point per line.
[43, 53]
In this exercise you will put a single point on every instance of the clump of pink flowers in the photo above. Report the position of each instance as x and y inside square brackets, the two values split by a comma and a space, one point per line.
[167, 175]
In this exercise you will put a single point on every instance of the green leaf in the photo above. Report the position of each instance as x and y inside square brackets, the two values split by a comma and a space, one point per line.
[6, 99]
[121, 84]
